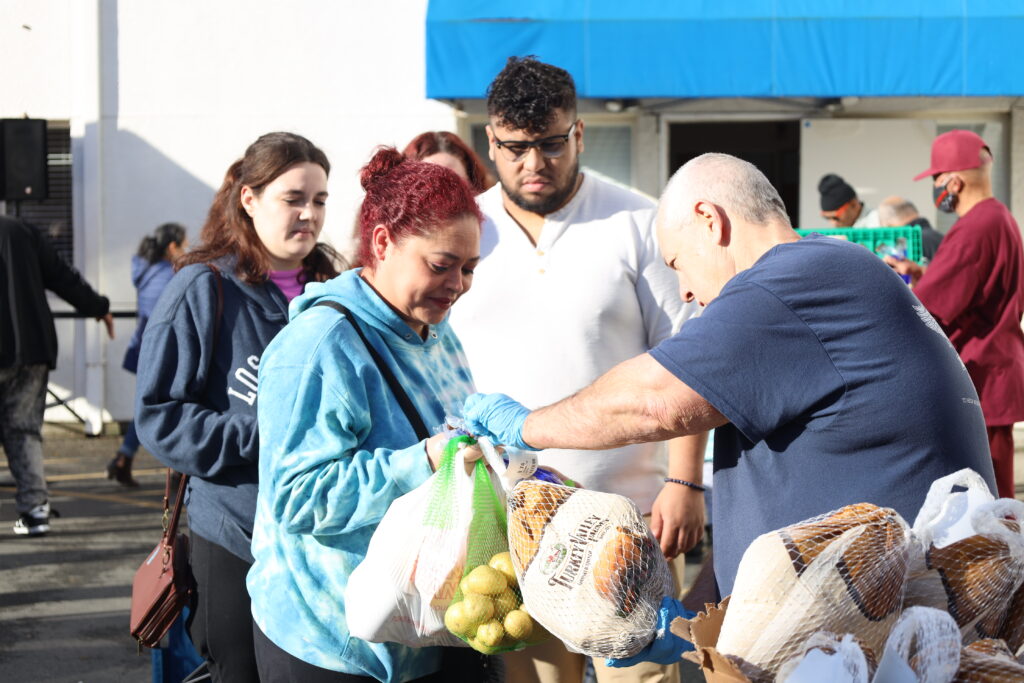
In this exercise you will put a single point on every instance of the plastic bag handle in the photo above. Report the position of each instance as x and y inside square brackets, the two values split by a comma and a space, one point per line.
[521, 465]
[493, 459]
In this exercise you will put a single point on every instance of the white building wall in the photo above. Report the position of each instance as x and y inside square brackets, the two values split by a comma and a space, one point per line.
[162, 97]
[37, 66]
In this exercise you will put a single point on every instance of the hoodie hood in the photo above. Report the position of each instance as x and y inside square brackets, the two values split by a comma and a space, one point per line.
[266, 295]
[352, 291]
[140, 267]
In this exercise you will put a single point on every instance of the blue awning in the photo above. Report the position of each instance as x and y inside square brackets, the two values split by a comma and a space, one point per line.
[734, 48]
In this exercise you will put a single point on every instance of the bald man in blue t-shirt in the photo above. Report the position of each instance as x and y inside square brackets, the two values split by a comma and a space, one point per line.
[801, 360]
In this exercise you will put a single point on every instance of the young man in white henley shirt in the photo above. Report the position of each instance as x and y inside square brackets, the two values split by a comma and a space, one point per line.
[570, 284]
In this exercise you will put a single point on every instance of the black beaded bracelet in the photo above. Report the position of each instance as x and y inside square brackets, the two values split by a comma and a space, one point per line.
[685, 483]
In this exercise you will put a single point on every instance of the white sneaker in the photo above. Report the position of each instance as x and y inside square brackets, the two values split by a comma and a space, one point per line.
[35, 522]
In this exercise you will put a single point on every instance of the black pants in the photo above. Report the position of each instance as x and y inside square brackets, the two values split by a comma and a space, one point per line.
[458, 665]
[221, 627]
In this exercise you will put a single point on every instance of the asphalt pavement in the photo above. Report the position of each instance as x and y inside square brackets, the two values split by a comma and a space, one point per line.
[65, 597]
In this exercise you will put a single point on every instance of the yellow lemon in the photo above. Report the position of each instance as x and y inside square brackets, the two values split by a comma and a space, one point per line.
[503, 563]
[490, 633]
[477, 608]
[486, 581]
[480, 647]
[518, 624]
[456, 621]
[505, 603]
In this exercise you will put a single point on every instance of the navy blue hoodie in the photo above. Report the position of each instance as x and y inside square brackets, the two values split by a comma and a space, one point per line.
[195, 402]
[149, 280]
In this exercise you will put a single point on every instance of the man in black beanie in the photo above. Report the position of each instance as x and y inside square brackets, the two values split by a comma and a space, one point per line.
[841, 207]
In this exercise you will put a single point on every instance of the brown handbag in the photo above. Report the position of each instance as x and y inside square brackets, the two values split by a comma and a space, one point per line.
[163, 584]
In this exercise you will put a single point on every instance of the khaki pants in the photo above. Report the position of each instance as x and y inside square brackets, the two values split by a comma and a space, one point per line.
[550, 662]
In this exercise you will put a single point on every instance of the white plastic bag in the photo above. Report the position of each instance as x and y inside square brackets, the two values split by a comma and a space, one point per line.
[413, 566]
[827, 657]
[968, 557]
[923, 647]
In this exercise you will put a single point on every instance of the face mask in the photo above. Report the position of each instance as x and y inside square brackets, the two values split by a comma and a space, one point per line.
[944, 199]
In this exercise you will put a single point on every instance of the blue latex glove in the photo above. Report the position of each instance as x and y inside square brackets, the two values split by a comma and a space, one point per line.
[666, 648]
[497, 417]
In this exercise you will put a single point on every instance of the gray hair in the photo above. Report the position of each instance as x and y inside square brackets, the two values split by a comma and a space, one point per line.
[896, 211]
[731, 183]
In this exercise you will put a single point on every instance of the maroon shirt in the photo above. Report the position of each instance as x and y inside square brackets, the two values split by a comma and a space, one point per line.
[974, 287]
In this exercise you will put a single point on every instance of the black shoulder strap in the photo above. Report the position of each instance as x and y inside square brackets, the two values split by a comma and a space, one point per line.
[403, 399]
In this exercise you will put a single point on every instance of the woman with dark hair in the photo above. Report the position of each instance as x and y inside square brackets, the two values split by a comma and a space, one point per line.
[337, 446]
[152, 269]
[196, 396]
[448, 150]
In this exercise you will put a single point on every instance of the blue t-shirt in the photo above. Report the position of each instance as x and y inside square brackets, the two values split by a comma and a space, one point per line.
[839, 388]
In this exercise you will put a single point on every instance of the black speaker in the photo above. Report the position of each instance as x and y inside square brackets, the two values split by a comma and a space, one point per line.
[23, 159]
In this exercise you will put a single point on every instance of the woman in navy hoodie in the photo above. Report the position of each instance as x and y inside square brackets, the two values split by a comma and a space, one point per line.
[196, 391]
[152, 269]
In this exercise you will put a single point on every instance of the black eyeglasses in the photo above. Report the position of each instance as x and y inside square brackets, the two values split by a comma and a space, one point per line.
[551, 147]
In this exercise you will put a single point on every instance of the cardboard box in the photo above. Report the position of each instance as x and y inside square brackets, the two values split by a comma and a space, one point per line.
[703, 632]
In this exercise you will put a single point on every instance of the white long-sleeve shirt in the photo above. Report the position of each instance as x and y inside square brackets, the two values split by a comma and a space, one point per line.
[541, 322]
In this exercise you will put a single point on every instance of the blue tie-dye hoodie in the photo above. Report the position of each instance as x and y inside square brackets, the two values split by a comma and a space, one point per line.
[335, 450]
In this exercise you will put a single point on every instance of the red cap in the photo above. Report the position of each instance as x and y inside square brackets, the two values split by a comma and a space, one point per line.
[957, 150]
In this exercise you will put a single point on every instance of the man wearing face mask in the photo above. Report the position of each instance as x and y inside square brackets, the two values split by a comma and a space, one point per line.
[974, 287]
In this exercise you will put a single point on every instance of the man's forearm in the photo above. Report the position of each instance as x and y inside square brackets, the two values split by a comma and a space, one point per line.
[633, 402]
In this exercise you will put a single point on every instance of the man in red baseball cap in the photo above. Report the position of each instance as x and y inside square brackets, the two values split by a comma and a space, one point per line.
[974, 287]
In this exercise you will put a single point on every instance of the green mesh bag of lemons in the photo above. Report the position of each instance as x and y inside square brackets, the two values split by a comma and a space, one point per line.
[487, 611]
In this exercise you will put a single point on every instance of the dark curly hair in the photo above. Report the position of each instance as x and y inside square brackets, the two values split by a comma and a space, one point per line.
[525, 95]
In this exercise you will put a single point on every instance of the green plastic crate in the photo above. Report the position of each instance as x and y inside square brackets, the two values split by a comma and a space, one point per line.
[878, 240]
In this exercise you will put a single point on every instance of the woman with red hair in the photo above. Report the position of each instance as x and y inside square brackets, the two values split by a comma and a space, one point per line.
[448, 150]
[337, 444]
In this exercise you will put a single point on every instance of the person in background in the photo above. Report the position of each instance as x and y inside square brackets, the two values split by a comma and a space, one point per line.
[152, 269]
[448, 150]
[896, 211]
[196, 388]
[337, 445]
[29, 265]
[974, 287]
[841, 206]
[570, 284]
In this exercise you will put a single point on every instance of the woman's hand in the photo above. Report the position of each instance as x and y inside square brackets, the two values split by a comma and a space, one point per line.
[677, 519]
[435, 451]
